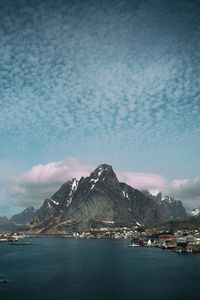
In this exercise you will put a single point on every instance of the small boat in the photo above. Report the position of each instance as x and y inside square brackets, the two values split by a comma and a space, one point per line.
[12, 240]
[178, 250]
[2, 281]
[20, 244]
[133, 245]
[189, 250]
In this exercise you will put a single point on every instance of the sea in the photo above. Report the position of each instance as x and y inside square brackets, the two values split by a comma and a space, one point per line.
[65, 269]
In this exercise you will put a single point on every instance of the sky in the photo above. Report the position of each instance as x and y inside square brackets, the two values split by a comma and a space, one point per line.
[90, 82]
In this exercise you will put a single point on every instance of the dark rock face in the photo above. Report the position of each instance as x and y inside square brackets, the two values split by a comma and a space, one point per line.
[97, 197]
[24, 217]
[101, 198]
[141, 207]
[51, 212]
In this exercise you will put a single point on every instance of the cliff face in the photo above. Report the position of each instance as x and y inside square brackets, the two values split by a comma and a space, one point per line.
[100, 198]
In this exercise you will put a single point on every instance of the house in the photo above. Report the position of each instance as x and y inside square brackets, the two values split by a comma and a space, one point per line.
[167, 241]
[149, 243]
[181, 242]
[197, 237]
[191, 240]
[167, 237]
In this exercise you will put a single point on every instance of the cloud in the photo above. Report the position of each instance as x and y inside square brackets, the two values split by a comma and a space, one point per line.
[108, 71]
[33, 186]
[144, 181]
[188, 191]
[54, 172]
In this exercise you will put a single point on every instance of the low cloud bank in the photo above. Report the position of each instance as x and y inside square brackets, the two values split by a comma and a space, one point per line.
[33, 186]
[188, 191]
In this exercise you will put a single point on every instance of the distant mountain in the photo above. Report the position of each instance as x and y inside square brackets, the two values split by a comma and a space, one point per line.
[24, 217]
[7, 225]
[17, 221]
[195, 212]
[172, 208]
[4, 221]
[101, 199]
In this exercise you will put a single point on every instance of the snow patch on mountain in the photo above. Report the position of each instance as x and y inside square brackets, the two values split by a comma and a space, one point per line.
[195, 212]
[167, 198]
[74, 187]
[56, 203]
[125, 194]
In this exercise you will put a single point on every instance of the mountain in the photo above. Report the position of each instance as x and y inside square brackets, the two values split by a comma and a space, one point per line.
[16, 222]
[24, 217]
[59, 202]
[4, 221]
[7, 225]
[195, 212]
[100, 199]
[172, 208]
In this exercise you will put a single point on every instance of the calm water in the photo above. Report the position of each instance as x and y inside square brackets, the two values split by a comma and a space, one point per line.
[55, 268]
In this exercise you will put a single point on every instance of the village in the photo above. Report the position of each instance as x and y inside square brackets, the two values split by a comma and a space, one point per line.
[186, 241]
[181, 241]
[11, 237]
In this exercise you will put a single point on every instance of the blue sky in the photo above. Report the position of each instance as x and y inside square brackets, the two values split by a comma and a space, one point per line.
[115, 82]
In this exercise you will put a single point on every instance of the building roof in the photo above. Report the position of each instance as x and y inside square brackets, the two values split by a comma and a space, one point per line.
[167, 236]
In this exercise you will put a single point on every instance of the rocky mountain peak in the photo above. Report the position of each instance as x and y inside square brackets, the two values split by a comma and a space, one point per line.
[103, 174]
[29, 209]
[161, 198]
[171, 207]
[103, 169]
